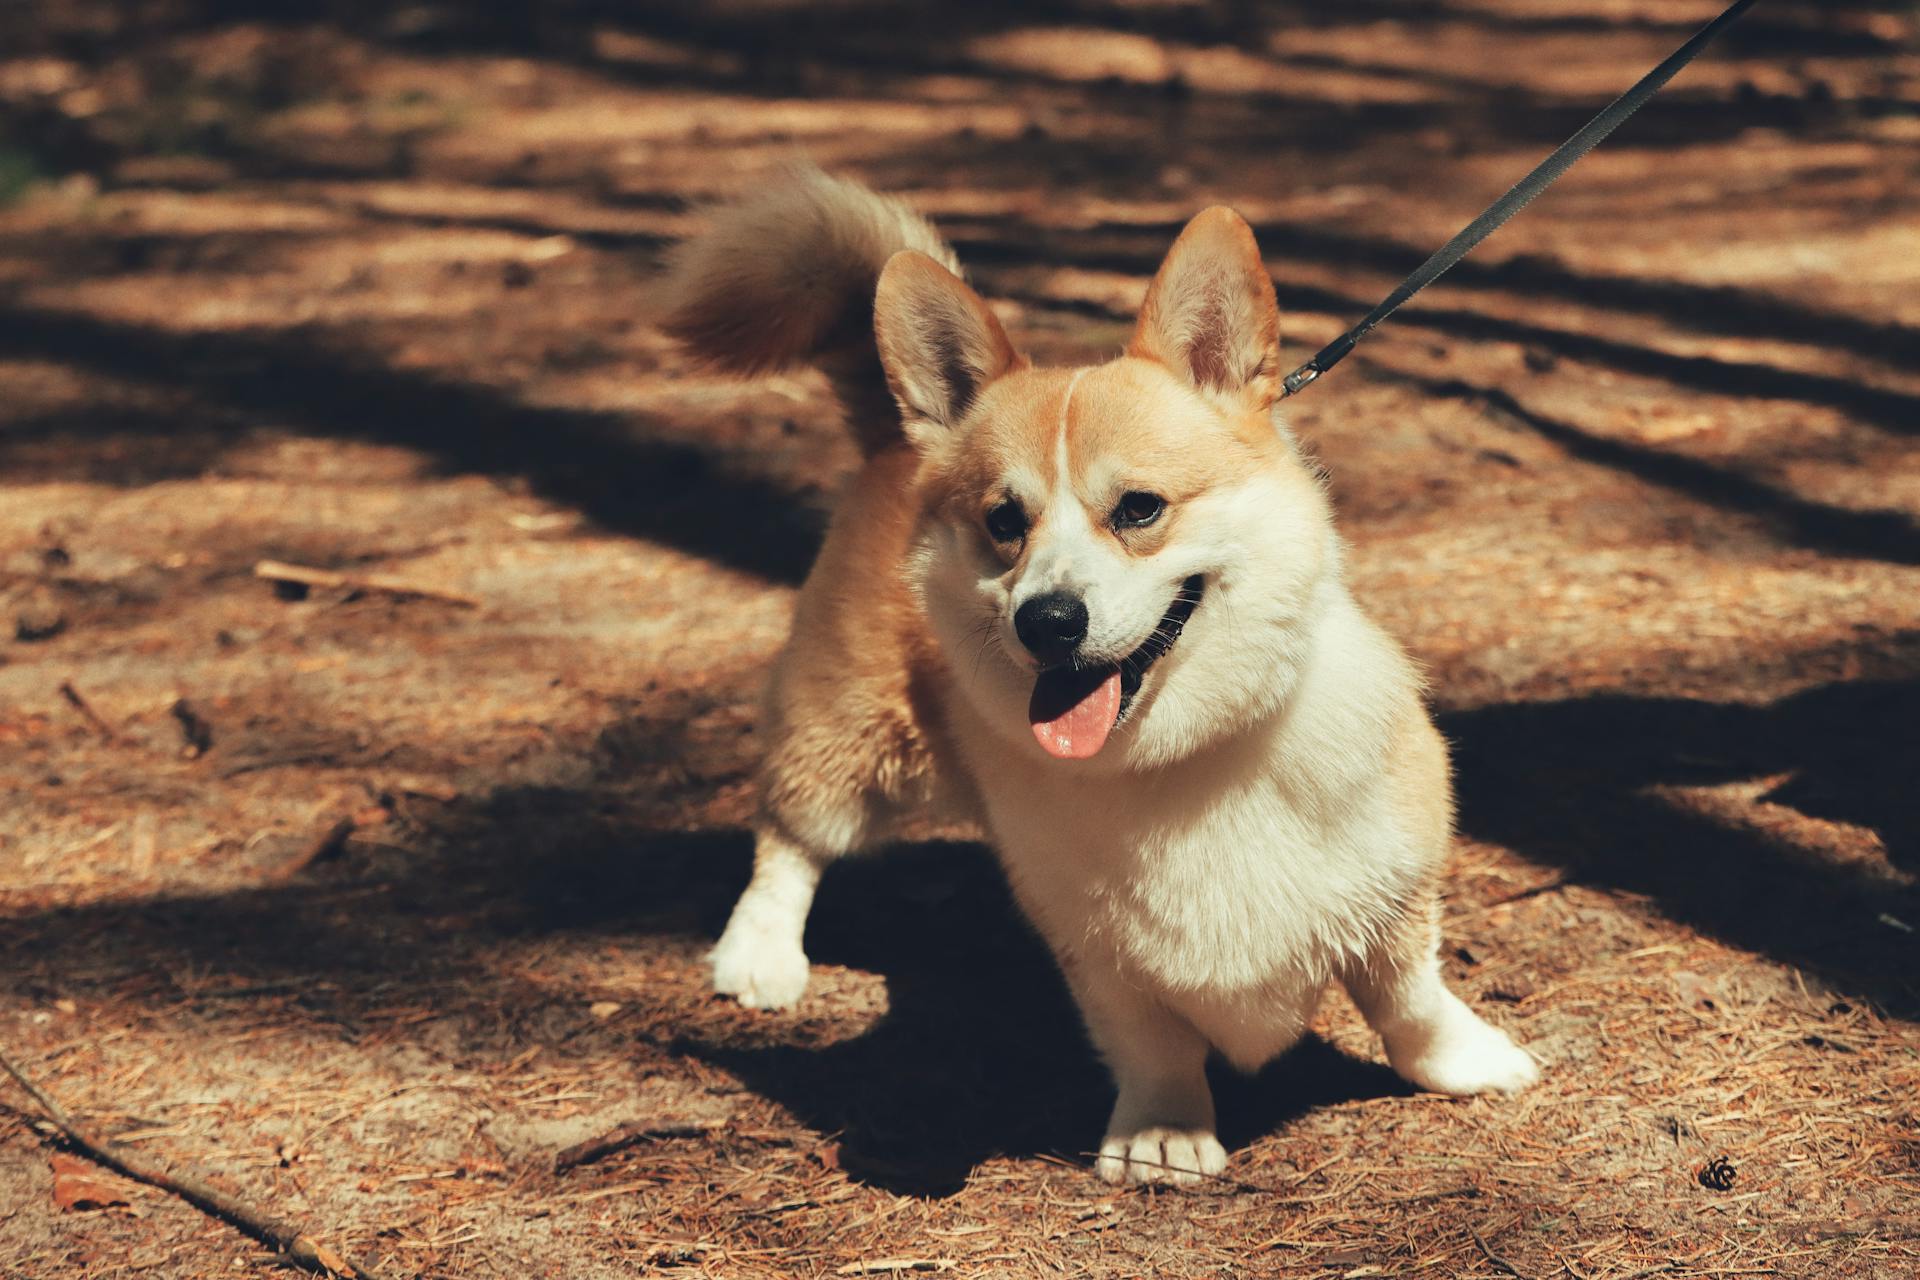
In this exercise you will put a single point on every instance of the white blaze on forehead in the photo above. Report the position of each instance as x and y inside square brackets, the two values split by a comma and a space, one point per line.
[1061, 555]
[1026, 477]
[1060, 462]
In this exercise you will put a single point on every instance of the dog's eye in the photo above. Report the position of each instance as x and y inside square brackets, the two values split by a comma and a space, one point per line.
[1007, 522]
[1137, 510]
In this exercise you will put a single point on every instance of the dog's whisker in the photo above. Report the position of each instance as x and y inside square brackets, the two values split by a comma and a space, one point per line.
[987, 633]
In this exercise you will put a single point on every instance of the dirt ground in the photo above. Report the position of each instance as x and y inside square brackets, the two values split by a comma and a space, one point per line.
[366, 288]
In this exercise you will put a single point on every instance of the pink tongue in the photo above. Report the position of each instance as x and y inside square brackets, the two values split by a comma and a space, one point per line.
[1072, 714]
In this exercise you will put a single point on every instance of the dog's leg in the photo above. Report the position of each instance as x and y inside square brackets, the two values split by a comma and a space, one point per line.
[1162, 1124]
[759, 958]
[1432, 1038]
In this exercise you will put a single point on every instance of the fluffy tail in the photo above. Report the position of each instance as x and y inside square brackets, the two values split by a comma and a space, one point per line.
[786, 275]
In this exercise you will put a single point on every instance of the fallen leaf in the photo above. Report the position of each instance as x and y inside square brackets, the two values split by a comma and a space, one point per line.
[604, 1009]
[79, 1188]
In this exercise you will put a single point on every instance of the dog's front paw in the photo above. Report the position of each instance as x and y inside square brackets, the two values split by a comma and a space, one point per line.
[1466, 1056]
[757, 968]
[1180, 1156]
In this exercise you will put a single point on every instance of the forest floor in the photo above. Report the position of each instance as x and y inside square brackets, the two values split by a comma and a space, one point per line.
[369, 903]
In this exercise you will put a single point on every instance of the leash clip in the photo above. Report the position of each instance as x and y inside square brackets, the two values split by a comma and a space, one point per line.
[1299, 378]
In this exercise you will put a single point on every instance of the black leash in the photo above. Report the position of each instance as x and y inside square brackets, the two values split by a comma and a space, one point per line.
[1517, 198]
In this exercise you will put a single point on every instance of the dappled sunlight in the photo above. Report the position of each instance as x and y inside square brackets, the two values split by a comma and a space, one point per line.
[375, 894]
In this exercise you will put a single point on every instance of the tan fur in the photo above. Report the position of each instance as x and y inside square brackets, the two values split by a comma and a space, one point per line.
[786, 277]
[1123, 415]
[851, 726]
[963, 484]
[1274, 810]
[939, 342]
[1423, 782]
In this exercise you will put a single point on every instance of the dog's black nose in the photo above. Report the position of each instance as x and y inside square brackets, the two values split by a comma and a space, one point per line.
[1052, 625]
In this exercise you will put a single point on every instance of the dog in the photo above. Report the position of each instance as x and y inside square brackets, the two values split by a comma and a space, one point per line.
[1101, 613]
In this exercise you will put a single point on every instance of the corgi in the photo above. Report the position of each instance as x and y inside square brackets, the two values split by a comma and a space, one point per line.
[1100, 612]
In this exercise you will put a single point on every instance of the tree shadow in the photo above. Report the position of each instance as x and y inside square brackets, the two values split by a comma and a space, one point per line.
[1577, 784]
[1703, 308]
[520, 24]
[1891, 410]
[979, 1051]
[625, 474]
[621, 471]
[1890, 536]
[789, 49]
[122, 445]
[1894, 411]
[782, 50]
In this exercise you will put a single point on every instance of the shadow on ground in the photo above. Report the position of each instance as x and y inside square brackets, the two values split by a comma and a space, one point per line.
[1589, 784]
[616, 468]
[979, 1051]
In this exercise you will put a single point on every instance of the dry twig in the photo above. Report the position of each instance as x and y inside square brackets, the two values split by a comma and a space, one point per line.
[289, 1238]
[1494, 1260]
[894, 1266]
[628, 1135]
[85, 708]
[306, 576]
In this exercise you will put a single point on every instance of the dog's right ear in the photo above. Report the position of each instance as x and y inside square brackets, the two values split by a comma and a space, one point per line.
[1210, 314]
[939, 343]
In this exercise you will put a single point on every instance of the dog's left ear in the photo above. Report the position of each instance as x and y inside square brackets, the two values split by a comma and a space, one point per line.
[1210, 314]
[940, 344]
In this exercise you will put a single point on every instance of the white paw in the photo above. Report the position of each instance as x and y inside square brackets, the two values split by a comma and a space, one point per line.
[1179, 1156]
[1466, 1056]
[759, 969]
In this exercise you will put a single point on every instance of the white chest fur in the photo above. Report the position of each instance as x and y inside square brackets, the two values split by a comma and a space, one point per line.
[1233, 884]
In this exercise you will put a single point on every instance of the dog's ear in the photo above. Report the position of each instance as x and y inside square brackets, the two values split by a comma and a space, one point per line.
[939, 342]
[1210, 314]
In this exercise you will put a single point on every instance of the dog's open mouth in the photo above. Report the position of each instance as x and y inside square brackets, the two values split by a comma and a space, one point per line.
[1074, 709]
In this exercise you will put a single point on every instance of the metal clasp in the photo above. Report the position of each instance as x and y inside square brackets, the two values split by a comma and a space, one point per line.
[1299, 378]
